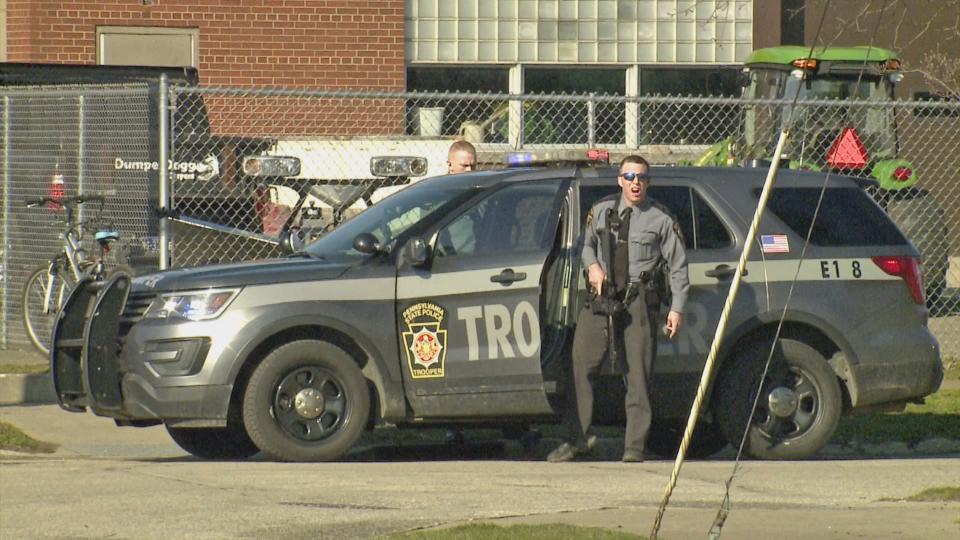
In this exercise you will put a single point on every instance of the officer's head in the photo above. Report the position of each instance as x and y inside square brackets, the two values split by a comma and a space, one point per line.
[462, 157]
[634, 179]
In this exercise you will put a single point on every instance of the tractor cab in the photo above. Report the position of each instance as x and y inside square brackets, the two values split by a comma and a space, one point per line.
[844, 124]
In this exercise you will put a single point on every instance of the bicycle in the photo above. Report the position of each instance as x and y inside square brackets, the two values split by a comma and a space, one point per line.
[49, 285]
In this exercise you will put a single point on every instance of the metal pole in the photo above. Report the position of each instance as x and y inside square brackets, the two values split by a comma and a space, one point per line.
[515, 118]
[5, 248]
[81, 142]
[718, 335]
[591, 120]
[164, 191]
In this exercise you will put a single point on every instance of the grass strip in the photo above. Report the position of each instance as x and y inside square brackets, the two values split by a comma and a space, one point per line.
[23, 368]
[483, 531]
[11, 438]
[938, 417]
[937, 494]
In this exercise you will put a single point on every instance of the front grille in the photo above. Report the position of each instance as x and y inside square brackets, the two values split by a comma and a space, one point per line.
[134, 310]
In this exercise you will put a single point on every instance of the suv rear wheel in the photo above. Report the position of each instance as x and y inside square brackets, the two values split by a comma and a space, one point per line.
[307, 401]
[799, 406]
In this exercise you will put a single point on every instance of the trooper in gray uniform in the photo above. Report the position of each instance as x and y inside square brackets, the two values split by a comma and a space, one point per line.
[653, 238]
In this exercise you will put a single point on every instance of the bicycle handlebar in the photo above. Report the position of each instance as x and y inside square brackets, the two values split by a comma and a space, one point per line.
[66, 201]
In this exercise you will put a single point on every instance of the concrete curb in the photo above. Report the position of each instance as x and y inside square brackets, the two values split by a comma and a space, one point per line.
[29, 388]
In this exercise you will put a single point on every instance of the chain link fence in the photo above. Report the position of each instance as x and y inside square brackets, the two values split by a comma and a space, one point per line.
[248, 166]
[64, 142]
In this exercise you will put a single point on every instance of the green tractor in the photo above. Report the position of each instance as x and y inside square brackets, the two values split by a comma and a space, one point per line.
[848, 130]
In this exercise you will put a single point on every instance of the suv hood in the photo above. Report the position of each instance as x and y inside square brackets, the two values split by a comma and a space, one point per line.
[240, 274]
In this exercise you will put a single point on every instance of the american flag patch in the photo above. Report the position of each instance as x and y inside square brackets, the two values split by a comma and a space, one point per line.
[774, 243]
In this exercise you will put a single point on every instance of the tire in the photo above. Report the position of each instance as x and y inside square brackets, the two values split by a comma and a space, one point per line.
[231, 442]
[799, 383]
[335, 413]
[37, 322]
[665, 437]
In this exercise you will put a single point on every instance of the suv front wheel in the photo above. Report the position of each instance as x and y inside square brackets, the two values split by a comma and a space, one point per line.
[799, 406]
[307, 401]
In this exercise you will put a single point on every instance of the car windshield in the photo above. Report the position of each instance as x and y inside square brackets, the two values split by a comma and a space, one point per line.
[394, 216]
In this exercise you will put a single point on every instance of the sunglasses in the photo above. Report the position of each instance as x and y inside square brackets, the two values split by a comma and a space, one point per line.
[631, 176]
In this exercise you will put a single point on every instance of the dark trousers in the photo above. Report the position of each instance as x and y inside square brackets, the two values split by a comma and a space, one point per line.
[589, 348]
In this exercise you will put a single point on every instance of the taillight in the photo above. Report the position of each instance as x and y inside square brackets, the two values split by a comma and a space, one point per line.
[902, 174]
[907, 268]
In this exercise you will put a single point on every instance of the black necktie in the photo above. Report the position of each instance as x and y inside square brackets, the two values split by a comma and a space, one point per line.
[621, 257]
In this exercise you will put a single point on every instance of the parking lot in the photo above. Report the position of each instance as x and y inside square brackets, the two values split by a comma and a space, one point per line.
[106, 482]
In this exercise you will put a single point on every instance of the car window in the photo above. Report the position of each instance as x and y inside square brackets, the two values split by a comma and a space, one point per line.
[700, 225]
[392, 217]
[847, 216]
[519, 217]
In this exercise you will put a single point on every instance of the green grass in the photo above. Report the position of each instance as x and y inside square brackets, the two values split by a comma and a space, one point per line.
[516, 532]
[11, 438]
[938, 417]
[21, 368]
[951, 369]
[937, 494]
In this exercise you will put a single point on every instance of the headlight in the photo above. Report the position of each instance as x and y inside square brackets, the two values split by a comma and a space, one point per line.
[193, 305]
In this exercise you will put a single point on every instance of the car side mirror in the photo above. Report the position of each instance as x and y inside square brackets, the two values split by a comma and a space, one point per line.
[292, 241]
[416, 252]
[366, 243]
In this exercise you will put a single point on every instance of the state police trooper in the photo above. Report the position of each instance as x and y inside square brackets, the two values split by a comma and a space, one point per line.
[648, 240]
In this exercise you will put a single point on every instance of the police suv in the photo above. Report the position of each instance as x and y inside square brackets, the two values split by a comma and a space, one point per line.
[454, 301]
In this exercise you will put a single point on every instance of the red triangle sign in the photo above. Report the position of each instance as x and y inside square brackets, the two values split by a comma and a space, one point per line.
[848, 151]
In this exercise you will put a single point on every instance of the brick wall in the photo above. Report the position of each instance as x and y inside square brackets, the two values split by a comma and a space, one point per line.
[330, 44]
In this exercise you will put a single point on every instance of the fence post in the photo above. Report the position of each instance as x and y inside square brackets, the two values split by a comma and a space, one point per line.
[81, 141]
[632, 109]
[5, 248]
[592, 120]
[164, 191]
[515, 119]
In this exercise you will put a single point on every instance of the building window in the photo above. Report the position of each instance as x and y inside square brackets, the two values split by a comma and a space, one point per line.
[579, 31]
[148, 46]
[665, 123]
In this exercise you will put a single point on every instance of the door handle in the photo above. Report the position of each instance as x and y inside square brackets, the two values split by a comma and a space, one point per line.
[508, 276]
[723, 271]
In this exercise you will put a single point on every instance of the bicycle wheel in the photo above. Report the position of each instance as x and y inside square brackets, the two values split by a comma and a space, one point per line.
[38, 314]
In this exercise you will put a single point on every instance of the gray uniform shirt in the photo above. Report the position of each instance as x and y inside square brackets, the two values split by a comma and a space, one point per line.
[654, 235]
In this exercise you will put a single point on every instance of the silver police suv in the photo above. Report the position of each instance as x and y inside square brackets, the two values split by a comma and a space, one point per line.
[454, 300]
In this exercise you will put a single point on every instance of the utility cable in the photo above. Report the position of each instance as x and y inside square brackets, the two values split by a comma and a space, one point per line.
[724, 510]
[725, 314]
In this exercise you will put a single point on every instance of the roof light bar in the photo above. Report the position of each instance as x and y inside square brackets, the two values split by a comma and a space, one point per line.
[398, 166]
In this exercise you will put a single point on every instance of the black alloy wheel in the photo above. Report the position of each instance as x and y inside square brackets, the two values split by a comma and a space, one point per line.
[307, 401]
[799, 407]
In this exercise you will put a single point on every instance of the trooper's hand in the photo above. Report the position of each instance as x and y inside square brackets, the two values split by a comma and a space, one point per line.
[596, 275]
[673, 323]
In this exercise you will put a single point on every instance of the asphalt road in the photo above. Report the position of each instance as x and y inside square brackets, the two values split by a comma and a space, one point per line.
[108, 482]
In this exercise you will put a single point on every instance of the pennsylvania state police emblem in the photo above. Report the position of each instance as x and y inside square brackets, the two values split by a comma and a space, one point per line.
[425, 340]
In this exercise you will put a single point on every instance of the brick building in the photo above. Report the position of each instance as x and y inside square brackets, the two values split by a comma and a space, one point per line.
[333, 44]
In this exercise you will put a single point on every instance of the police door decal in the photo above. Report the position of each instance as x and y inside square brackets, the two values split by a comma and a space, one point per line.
[503, 331]
[425, 340]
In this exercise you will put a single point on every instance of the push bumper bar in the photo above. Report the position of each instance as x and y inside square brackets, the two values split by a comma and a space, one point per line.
[84, 360]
